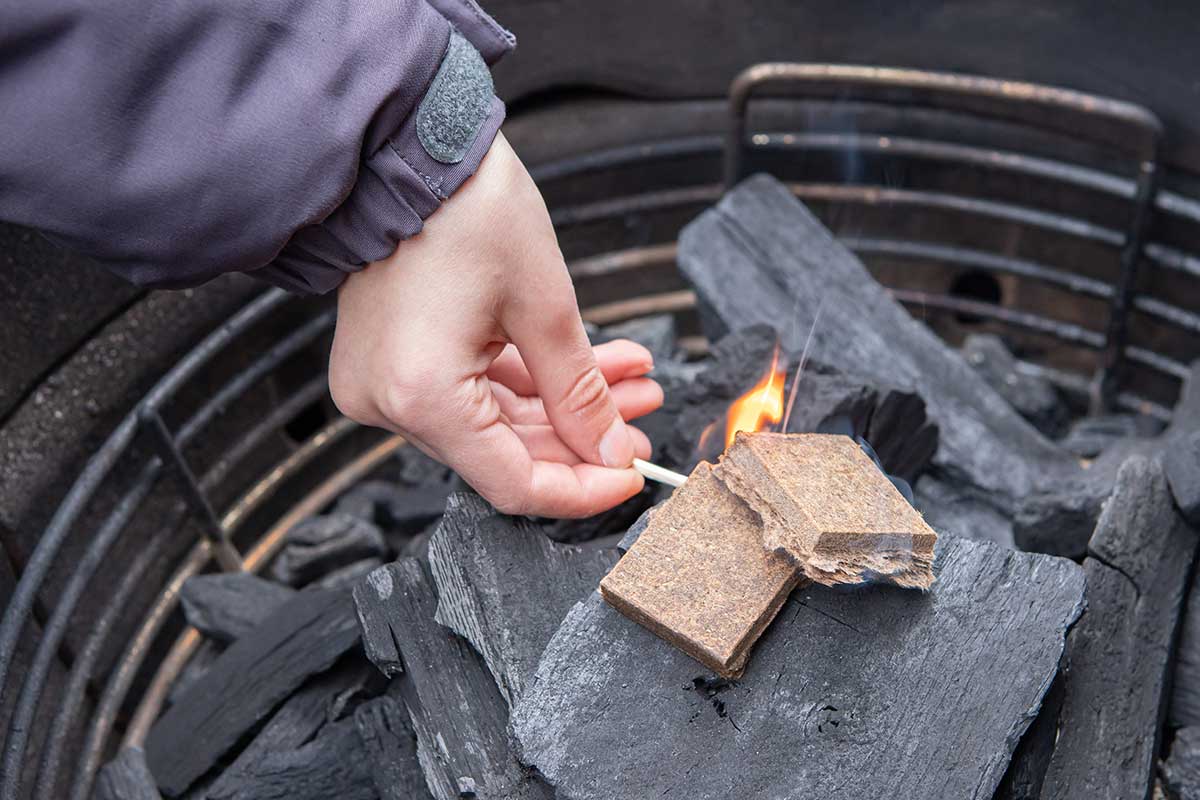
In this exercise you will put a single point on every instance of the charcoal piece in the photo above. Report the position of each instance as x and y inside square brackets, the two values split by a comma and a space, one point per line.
[676, 378]
[1091, 436]
[1181, 459]
[952, 509]
[418, 546]
[458, 713]
[302, 637]
[1027, 769]
[1181, 772]
[1033, 397]
[330, 765]
[418, 469]
[321, 700]
[399, 510]
[618, 518]
[1184, 710]
[847, 692]
[1139, 560]
[656, 333]
[505, 588]
[347, 576]
[206, 653]
[226, 605]
[322, 544]
[760, 256]
[126, 777]
[389, 746]
[635, 530]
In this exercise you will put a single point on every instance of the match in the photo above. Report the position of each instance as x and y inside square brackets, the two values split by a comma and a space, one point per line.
[654, 472]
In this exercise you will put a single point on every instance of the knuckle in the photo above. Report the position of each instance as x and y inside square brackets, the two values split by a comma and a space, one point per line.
[406, 395]
[587, 395]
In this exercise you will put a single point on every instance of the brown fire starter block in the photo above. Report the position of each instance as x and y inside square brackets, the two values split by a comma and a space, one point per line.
[825, 504]
[699, 576]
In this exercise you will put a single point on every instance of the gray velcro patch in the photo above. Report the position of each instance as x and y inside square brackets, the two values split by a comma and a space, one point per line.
[456, 104]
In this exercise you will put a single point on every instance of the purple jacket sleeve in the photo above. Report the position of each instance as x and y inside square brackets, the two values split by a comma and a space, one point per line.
[179, 139]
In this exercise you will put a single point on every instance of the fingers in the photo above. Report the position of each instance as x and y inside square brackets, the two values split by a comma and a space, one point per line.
[550, 338]
[618, 360]
[635, 397]
[543, 444]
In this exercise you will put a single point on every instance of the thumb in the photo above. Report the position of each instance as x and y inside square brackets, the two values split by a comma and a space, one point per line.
[574, 392]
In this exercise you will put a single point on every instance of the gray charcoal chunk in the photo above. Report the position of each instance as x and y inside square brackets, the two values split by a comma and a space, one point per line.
[1091, 436]
[322, 544]
[1181, 772]
[348, 575]
[953, 510]
[505, 588]
[126, 777]
[1033, 397]
[635, 530]
[1118, 656]
[226, 605]
[656, 333]
[395, 508]
[760, 256]
[456, 710]
[1185, 687]
[298, 720]
[1182, 462]
[303, 637]
[847, 692]
[390, 748]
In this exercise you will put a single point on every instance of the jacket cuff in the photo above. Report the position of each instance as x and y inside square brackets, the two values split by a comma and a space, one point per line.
[425, 160]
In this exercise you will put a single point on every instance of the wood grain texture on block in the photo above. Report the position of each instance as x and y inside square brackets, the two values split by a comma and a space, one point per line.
[699, 577]
[855, 693]
[826, 505]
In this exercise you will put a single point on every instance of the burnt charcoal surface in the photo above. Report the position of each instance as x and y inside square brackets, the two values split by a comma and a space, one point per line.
[850, 694]
[298, 720]
[656, 333]
[1027, 770]
[400, 511]
[759, 256]
[224, 606]
[1138, 564]
[322, 544]
[126, 777]
[505, 588]
[303, 637]
[1185, 687]
[457, 712]
[1091, 436]
[1033, 397]
[389, 747]
[891, 419]
[1181, 772]
[961, 512]
[1182, 462]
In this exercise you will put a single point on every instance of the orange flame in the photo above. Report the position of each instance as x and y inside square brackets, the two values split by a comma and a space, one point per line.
[760, 407]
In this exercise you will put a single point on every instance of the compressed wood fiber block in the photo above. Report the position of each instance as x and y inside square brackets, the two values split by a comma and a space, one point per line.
[699, 576]
[825, 504]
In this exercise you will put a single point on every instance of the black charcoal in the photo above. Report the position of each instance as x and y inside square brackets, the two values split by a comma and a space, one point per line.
[1032, 396]
[347, 576]
[226, 605]
[126, 777]
[849, 694]
[456, 710]
[1181, 772]
[1181, 458]
[389, 747]
[302, 637]
[1091, 436]
[1139, 560]
[656, 333]
[505, 588]
[400, 511]
[760, 256]
[322, 544]
[951, 509]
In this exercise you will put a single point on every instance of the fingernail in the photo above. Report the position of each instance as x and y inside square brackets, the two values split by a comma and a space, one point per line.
[616, 447]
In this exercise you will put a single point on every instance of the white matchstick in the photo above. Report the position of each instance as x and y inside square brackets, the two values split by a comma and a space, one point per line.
[656, 473]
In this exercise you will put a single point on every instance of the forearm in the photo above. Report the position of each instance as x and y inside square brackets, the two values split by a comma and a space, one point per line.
[178, 140]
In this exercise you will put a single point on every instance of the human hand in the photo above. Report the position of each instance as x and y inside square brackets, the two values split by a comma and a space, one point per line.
[468, 341]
